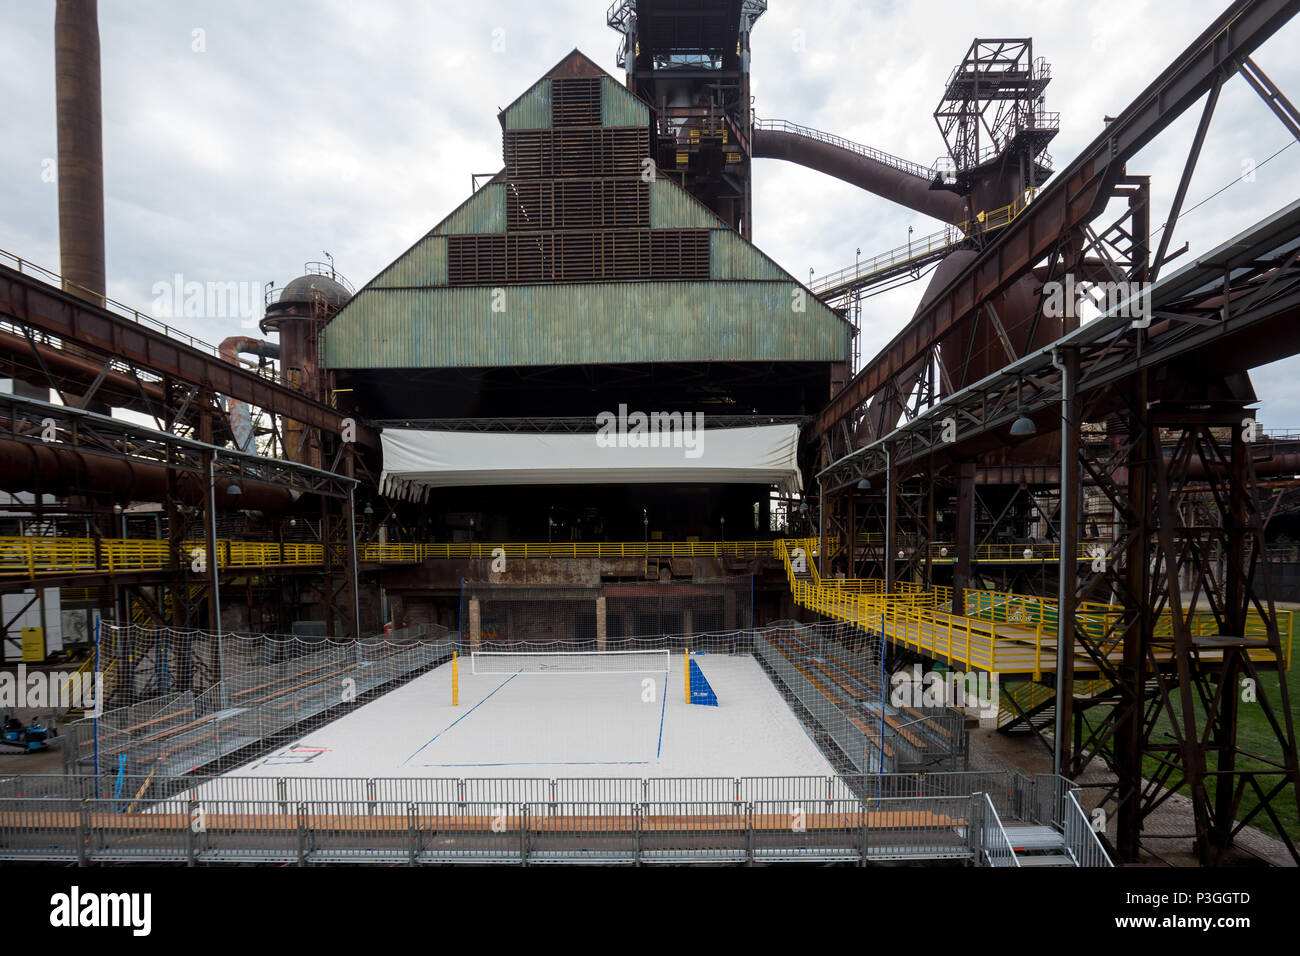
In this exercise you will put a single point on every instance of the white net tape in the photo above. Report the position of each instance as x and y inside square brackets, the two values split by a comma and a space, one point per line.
[569, 662]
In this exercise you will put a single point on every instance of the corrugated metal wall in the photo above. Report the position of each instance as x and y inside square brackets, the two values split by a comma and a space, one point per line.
[483, 212]
[672, 207]
[732, 258]
[532, 110]
[587, 324]
[618, 107]
[425, 264]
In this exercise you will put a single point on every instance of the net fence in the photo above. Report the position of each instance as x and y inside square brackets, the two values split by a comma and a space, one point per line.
[268, 686]
[834, 675]
[596, 618]
[142, 662]
[225, 693]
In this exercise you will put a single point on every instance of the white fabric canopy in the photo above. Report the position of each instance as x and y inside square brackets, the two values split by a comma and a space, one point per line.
[417, 460]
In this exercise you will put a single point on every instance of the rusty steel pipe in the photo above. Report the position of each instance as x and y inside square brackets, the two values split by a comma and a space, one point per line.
[61, 470]
[80, 369]
[864, 172]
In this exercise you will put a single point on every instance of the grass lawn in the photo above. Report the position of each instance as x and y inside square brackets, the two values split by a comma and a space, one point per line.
[1254, 734]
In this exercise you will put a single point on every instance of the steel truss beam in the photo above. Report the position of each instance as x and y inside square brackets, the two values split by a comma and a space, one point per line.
[1174, 723]
[37, 305]
[1231, 309]
[1216, 308]
[1071, 200]
[33, 422]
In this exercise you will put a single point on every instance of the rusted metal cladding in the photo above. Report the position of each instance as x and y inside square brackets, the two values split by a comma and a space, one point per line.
[974, 350]
[297, 315]
[575, 259]
[80, 147]
[864, 172]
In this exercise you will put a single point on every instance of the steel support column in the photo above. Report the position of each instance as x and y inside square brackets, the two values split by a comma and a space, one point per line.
[891, 521]
[1068, 519]
[965, 535]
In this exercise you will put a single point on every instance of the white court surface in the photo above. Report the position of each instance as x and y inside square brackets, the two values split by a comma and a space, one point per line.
[561, 725]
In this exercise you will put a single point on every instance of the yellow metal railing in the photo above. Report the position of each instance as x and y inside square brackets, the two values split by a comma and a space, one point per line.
[1001, 632]
[83, 679]
[574, 549]
[910, 616]
[36, 556]
[78, 676]
[1028, 695]
[922, 247]
[1011, 553]
[1025, 696]
[1097, 620]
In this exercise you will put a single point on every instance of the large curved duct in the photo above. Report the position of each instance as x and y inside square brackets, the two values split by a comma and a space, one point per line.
[59, 470]
[896, 185]
[974, 350]
[241, 416]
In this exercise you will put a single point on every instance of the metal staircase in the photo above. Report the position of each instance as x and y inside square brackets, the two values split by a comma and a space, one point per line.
[1051, 830]
[1038, 845]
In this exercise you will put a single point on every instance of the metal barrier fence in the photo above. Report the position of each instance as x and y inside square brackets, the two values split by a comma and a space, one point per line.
[996, 845]
[216, 831]
[856, 819]
[1013, 793]
[1081, 840]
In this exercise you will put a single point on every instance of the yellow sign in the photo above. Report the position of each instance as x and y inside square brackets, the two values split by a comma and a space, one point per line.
[33, 645]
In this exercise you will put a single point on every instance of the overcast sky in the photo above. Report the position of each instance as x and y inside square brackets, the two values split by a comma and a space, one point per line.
[245, 137]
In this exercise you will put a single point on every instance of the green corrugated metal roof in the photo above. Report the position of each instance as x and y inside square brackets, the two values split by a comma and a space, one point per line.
[407, 317]
[424, 264]
[618, 107]
[532, 110]
[485, 211]
[672, 207]
[585, 324]
[731, 257]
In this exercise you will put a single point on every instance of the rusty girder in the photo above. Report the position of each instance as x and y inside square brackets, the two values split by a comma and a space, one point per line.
[27, 301]
[1062, 209]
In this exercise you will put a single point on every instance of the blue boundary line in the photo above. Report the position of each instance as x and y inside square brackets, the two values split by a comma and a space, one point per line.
[459, 719]
[663, 705]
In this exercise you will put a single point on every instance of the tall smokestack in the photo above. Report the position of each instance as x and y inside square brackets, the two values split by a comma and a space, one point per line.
[81, 147]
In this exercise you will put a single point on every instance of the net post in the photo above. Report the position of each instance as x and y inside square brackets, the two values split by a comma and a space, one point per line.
[685, 674]
[455, 680]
